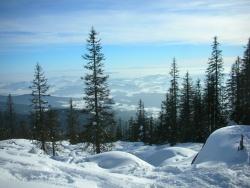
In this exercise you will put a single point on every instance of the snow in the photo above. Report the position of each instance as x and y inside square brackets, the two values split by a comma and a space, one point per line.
[222, 146]
[118, 161]
[169, 155]
[130, 164]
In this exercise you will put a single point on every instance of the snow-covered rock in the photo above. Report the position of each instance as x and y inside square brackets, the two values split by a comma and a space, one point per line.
[222, 146]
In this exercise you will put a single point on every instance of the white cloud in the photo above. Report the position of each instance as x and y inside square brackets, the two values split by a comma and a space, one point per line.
[172, 23]
[195, 66]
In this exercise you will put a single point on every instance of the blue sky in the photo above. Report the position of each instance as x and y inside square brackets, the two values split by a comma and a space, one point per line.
[139, 37]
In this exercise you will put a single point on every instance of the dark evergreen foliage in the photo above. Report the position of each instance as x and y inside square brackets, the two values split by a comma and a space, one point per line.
[164, 127]
[214, 99]
[133, 130]
[119, 130]
[234, 94]
[151, 131]
[73, 124]
[52, 124]
[3, 129]
[172, 105]
[141, 128]
[186, 110]
[199, 127]
[245, 86]
[24, 130]
[100, 128]
[161, 128]
[10, 120]
[39, 89]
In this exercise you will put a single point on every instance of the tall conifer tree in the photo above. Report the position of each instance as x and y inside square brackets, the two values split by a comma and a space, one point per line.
[186, 110]
[245, 87]
[2, 127]
[160, 127]
[198, 114]
[214, 89]
[151, 130]
[39, 89]
[10, 117]
[133, 130]
[234, 94]
[119, 130]
[164, 128]
[173, 105]
[52, 124]
[73, 123]
[141, 124]
[97, 96]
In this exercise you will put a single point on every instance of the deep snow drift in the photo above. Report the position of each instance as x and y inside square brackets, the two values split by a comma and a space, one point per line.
[219, 164]
[222, 146]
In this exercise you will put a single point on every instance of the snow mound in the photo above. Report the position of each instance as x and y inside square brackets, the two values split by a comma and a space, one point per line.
[118, 161]
[222, 146]
[169, 155]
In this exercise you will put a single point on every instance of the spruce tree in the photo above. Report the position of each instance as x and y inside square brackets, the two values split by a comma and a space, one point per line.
[10, 117]
[99, 131]
[141, 125]
[198, 114]
[133, 130]
[164, 129]
[234, 94]
[245, 87]
[160, 126]
[174, 129]
[2, 127]
[39, 89]
[52, 124]
[73, 123]
[186, 110]
[126, 131]
[169, 129]
[151, 131]
[214, 89]
[119, 135]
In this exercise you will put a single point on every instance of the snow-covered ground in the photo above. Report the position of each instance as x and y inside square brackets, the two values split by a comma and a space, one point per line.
[219, 164]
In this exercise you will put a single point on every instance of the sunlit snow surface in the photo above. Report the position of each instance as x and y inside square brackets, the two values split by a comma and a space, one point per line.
[23, 165]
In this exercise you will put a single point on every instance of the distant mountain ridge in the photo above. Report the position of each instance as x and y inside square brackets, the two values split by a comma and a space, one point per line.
[25, 100]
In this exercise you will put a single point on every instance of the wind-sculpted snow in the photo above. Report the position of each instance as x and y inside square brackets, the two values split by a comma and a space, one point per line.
[130, 164]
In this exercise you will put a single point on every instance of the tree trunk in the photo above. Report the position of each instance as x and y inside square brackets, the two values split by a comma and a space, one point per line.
[53, 148]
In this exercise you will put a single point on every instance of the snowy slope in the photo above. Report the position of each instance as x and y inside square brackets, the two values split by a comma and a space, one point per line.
[20, 164]
[222, 146]
[130, 164]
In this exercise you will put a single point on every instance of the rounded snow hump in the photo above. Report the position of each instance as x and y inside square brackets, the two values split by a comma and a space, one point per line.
[223, 146]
